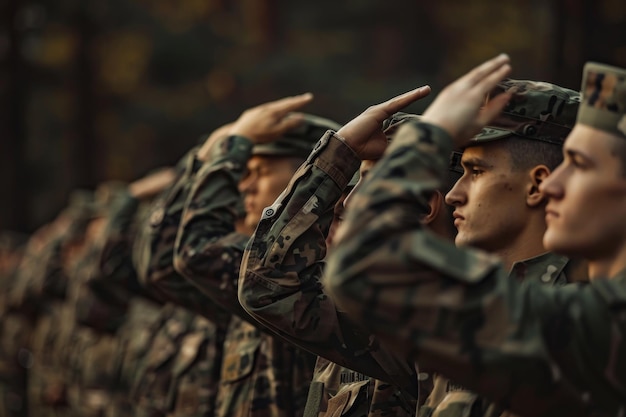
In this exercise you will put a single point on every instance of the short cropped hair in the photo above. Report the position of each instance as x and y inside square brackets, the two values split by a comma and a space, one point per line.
[527, 153]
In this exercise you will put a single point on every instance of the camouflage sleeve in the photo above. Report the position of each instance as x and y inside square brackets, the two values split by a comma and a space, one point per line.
[279, 283]
[535, 350]
[208, 248]
[154, 246]
[116, 278]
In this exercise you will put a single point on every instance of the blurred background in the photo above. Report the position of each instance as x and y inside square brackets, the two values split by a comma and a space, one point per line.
[94, 90]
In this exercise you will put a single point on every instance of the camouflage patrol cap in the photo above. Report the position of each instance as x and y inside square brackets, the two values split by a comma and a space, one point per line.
[391, 125]
[299, 141]
[537, 110]
[604, 98]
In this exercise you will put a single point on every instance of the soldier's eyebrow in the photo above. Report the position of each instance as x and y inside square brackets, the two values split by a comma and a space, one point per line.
[577, 155]
[473, 161]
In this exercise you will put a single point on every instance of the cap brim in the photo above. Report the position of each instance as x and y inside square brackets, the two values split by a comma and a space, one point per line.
[489, 134]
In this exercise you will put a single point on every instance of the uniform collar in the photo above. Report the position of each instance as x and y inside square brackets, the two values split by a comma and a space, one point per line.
[545, 268]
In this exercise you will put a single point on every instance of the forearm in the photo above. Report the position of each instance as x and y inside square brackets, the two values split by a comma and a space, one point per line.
[454, 310]
[283, 262]
[279, 282]
[208, 250]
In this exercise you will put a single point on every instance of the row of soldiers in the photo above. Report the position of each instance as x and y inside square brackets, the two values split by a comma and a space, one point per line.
[230, 285]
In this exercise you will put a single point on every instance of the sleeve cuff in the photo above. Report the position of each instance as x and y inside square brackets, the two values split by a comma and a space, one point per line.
[335, 158]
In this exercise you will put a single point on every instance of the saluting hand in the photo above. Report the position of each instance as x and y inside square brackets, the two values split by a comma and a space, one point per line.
[364, 133]
[268, 122]
[215, 136]
[457, 109]
[152, 184]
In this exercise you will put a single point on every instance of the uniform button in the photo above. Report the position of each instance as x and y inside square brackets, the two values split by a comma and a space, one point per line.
[157, 216]
[269, 212]
[547, 277]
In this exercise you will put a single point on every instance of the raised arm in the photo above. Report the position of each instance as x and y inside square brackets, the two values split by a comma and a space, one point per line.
[280, 279]
[454, 310]
[210, 244]
[154, 245]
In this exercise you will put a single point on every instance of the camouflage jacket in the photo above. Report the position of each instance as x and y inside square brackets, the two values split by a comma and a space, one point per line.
[154, 247]
[261, 374]
[180, 374]
[534, 349]
[451, 400]
[279, 285]
[116, 279]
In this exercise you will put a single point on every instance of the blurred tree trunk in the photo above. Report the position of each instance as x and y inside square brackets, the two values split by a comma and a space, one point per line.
[82, 150]
[14, 208]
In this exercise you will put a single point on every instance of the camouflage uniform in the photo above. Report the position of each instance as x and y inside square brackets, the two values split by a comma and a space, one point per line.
[15, 331]
[42, 284]
[24, 309]
[113, 293]
[279, 286]
[93, 359]
[450, 399]
[531, 99]
[179, 375]
[261, 374]
[534, 349]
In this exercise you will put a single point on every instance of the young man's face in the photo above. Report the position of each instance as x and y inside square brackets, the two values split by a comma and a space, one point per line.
[489, 199]
[586, 212]
[267, 177]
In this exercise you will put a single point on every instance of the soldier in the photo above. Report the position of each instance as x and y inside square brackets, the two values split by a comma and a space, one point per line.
[180, 369]
[45, 284]
[279, 286]
[498, 205]
[116, 283]
[535, 350]
[261, 374]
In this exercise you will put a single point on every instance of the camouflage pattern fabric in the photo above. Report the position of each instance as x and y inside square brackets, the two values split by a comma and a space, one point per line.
[45, 285]
[261, 375]
[154, 378]
[180, 374]
[604, 98]
[154, 249]
[15, 334]
[113, 290]
[279, 286]
[135, 338]
[452, 400]
[537, 110]
[90, 361]
[535, 350]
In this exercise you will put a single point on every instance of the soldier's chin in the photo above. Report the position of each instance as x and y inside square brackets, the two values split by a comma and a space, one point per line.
[553, 241]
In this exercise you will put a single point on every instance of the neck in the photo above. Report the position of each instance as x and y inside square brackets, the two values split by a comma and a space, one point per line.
[527, 244]
[608, 267]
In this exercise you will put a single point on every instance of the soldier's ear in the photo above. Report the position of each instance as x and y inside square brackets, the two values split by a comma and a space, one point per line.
[435, 204]
[534, 197]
